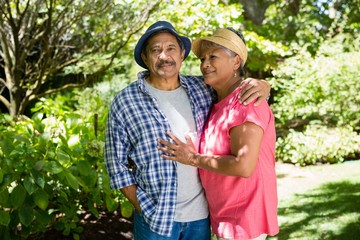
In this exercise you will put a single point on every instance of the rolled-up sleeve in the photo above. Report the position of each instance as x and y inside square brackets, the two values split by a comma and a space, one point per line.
[117, 147]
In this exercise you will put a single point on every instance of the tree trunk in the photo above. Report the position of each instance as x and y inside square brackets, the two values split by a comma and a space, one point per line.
[254, 10]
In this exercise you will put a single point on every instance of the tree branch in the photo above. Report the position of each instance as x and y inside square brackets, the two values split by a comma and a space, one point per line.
[64, 87]
[5, 102]
[3, 82]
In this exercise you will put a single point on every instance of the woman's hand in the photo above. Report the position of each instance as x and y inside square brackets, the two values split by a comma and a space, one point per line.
[254, 89]
[178, 151]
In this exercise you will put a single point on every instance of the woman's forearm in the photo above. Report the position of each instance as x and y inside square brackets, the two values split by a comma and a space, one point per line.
[226, 164]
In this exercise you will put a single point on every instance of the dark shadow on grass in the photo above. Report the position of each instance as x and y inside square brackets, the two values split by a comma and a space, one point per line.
[281, 175]
[322, 204]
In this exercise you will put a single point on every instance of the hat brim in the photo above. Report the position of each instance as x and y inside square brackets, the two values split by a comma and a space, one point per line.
[140, 44]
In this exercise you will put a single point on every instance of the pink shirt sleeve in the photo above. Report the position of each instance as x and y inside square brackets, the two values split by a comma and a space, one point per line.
[259, 115]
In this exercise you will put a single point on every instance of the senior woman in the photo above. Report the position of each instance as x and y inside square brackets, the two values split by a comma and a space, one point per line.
[236, 154]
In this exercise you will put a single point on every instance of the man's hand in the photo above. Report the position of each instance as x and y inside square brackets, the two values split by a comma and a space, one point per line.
[254, 89]
[130, 193]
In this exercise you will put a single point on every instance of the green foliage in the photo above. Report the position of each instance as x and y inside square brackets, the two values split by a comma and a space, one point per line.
[318, 144]
[51, 167]
[325, 88]
[317, 104]
[263, 53]
[309, 22]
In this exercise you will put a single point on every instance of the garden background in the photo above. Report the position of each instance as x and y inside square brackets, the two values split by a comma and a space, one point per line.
[62, 62]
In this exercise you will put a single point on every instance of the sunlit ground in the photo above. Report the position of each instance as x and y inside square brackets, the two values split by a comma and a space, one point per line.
[319, 202]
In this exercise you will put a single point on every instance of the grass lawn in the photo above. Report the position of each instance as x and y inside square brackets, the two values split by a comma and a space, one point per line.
[319, 202]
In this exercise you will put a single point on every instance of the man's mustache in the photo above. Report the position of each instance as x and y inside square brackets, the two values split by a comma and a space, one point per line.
[161, 63]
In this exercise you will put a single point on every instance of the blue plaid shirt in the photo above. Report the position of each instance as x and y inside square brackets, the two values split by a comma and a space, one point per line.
[134, 124]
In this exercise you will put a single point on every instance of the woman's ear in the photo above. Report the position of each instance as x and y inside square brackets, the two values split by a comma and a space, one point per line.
[237, 62]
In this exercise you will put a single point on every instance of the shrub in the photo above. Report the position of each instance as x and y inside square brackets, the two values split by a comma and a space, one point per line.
[318, 144]
[325, 88]
[52, 170]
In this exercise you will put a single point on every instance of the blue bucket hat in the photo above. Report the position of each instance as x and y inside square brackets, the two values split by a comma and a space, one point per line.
[157, 27]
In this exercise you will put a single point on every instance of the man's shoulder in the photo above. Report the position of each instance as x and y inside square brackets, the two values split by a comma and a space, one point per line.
[192, 77]
[193, 81]
[128, 93]
[128, 90]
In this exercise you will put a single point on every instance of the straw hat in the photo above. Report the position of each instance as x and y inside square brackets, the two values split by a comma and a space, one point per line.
[225, 38]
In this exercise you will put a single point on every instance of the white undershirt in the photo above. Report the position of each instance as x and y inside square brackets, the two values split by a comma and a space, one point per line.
[191, 204]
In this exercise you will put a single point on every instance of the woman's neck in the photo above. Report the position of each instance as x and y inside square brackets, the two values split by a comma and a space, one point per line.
[225, 91]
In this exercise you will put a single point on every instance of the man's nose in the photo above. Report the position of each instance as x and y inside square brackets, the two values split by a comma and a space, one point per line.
[162, 55]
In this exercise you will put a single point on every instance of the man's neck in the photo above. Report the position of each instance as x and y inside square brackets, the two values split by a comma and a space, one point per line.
[165, 84]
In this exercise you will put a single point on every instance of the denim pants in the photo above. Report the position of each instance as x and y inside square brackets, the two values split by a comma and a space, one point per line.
[199, 230]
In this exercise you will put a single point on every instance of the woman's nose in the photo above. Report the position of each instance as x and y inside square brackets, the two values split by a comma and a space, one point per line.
[205, 64]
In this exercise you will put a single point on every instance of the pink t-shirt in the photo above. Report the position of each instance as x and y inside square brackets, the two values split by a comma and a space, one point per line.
[240, 208]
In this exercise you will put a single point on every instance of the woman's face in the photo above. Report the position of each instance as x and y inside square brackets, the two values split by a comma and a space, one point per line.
[217, 67]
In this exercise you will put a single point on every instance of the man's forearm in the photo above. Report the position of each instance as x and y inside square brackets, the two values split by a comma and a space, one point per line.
[254, 89]
[130, 193]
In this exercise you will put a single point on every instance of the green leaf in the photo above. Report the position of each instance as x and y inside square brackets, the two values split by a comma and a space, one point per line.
[91, 179]
[4, 196]
[41, 199]
[7, 144]
[4, 218]
[63, 195]
[59, 226]
[63, 157]
[1, 176]
[111, 204]
[26, 215]
[17, 196]
[84, 168]
[106, 182]
[30, 185]
[7, 180]
[49, 166]
[22, 138]
[43, 217]
[76, 236]
[126, 209]
[38, 177]
[93, 210]
[64, 141]
[72, 181]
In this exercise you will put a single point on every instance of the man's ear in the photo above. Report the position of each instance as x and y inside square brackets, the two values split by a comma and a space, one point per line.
[144, 58]
[183, 54]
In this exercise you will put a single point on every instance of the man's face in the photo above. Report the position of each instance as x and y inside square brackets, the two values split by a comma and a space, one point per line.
[163, 55]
